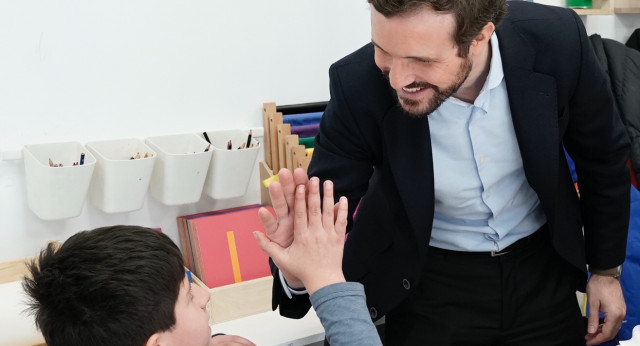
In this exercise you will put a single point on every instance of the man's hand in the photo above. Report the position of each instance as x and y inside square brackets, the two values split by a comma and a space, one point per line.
[280, 228]
[315, 255]
[230, 340]
[605, 295]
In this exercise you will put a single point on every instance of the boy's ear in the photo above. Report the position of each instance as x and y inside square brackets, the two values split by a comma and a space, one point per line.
[154, 340]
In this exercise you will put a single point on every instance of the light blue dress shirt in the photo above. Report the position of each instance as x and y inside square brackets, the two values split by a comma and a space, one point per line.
[483, 201]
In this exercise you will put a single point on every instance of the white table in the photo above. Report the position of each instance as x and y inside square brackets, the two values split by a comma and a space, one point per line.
[269, 328]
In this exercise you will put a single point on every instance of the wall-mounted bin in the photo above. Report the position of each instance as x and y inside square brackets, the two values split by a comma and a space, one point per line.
[180, 169]
[123, 171]
[57, 178]
[230, 169]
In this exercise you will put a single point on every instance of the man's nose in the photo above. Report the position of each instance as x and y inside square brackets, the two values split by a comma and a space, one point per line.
[400, 74]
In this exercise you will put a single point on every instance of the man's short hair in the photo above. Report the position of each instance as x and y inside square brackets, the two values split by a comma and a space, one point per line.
[471, 15]
[114, 285]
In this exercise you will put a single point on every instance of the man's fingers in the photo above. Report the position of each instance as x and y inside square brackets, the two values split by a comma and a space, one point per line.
[278, 200]
[612, 323]
[268, 221]
[594, 333]
[288, 185]
[327, 206]
[609, 330]
[300, 177]
[595, 339]
[270, 248]
[593, 320]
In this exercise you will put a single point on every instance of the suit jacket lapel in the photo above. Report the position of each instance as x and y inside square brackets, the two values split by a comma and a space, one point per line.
[534, 110]
[409, 152]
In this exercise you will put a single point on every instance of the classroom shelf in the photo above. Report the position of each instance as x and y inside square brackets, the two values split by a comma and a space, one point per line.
[607, 7]
[627, 6]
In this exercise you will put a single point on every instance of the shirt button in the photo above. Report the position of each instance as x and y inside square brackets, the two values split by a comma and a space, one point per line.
[406, 284]
[373, 312]
[482, 159]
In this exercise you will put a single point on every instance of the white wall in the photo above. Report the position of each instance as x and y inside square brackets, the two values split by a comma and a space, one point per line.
[91, 70]
[618, 27]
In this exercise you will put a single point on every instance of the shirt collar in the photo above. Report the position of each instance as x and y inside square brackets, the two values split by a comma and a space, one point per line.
[495, 69]
[494, 78]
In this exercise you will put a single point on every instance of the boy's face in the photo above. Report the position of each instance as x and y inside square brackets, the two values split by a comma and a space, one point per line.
[192, 319]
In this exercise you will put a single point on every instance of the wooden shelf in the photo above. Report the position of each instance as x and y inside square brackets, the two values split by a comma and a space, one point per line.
[627, 10]
[605, 7]
[627, 6]
[593, 11]
[599, 7]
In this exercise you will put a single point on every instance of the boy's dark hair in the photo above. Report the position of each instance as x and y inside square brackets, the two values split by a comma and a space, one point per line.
[114, 285]
[471, 15]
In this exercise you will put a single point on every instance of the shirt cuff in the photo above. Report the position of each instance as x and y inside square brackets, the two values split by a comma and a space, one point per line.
[288, 290]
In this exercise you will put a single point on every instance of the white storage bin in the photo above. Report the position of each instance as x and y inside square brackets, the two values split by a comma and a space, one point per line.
[180, 169]
[230, 170]
[120, 183]
[55, 193]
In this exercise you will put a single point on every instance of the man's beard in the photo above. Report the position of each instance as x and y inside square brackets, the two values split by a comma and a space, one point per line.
[412, 107]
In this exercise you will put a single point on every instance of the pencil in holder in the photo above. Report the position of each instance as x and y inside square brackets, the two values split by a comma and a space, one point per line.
[57, 177]
[123, 171]
[232, 163]
[180, 169]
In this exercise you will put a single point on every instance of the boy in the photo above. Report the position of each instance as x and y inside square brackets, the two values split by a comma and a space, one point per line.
[119, 285]
[126, 285]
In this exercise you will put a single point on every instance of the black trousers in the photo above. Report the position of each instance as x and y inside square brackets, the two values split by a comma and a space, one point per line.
[524, 297]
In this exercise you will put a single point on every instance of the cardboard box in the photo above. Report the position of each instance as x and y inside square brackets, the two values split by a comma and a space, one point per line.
[238, 300]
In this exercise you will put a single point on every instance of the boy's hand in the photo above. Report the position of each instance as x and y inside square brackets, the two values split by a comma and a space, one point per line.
[315, 255]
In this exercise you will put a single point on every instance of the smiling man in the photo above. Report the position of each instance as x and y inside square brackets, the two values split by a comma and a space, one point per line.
[420, 70]
[448, 133]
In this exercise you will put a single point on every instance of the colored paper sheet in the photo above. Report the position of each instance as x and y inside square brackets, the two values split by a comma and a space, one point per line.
[223, 248]
[305, 130]
[307, 142]
[302, 118]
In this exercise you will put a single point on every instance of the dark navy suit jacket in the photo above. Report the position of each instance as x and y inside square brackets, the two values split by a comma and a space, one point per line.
[379, 157]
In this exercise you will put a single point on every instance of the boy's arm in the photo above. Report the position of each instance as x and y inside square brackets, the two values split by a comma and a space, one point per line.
[315, 257]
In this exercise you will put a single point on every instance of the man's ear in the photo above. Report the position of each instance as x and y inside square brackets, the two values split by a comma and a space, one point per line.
[482, 39]
[154, 340]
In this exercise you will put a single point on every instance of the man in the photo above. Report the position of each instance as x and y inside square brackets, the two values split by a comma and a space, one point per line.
[119, 285]
[468, 229]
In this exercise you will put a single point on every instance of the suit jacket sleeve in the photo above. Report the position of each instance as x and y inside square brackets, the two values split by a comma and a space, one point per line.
[596, 140]
[343, 153]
